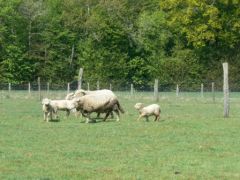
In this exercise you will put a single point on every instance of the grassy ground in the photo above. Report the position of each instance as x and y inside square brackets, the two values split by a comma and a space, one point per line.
[193, 141]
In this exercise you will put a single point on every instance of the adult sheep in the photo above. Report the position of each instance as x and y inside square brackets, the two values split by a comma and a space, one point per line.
[103, 92]
[99, 103]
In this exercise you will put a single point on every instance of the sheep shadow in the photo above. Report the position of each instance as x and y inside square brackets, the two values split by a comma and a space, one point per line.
[54, 120]
[99, 120]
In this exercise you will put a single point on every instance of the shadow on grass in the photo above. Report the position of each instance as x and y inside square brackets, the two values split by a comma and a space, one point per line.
[55, 120]
[99, 120]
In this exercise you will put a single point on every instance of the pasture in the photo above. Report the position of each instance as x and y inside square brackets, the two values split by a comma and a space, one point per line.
[192, 140]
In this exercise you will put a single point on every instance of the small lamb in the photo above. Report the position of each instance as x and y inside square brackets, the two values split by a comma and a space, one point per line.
[47, 109]
[52, 106]
[151, 110]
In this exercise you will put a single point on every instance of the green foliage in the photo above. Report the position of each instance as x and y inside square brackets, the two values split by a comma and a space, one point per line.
[118, 41]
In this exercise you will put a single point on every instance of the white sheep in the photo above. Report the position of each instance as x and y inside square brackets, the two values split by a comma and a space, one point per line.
[47, 109]
[99, 104]
[69, 96]
[53, 106]
[151, 110]
[103, 92]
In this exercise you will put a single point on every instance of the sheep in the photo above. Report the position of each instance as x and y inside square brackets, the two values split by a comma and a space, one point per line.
[47, 109]
[69, 96]
[52, 106]
[81, 92]
[151, 110]
[99, 104]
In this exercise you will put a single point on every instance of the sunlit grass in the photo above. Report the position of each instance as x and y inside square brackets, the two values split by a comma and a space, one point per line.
[192, 140]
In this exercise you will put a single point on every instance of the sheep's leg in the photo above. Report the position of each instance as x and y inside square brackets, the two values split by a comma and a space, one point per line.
[50, 114]
[112, 116]
[56, 114]
[117, 113]
[44, 116]
[88, 118]
[47, 115]
[98, 115]
[139, 117]
[158, 118]
[68, 112]
[106, 116]
[147, 118]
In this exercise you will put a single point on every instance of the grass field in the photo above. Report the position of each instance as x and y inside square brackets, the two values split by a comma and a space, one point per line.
[192, 141]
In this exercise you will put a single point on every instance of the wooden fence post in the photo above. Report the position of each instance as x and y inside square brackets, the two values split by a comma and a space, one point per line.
[132, 89]
[9, 87]
[39, 88]
[98, 86]
[202, 90]
[110, 87]
[29, 88]
[88, 86]
[80, 78]
[177, 90]
[226, 90]
[68, 88]
[156, 94]
[48, 85]
[213, 91]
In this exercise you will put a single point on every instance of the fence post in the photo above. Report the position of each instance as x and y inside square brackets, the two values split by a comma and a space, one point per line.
[98, 86]
[213, 91]
[226, 90]
[110, 87]
[156, 95]
[68, 88]
[9, 87]
[48, 88]
[132, 89]
[80, 78]
[202, 90]
[39, 88]
[88, 87]
[29, 88]
[177, 91]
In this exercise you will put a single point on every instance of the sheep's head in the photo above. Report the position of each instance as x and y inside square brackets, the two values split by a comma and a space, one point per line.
[69, 96]
[46, 101]
[78, 102]
[79, 93]
[138, 106]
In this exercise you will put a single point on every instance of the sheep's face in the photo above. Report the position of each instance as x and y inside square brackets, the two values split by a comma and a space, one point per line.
[79, 93]
[46, 101]
[78, 102]
[69, 96]
[138, 106]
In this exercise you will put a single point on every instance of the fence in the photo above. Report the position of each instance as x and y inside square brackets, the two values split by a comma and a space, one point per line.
[156, 90]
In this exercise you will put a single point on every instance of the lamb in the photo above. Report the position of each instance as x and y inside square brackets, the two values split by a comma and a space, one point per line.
[52, 106]
[47, 109]
[69, 96]
[99, 104]
[151, 110]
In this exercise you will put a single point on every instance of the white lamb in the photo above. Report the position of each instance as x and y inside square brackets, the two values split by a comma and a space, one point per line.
[53, 106]
[151, 110]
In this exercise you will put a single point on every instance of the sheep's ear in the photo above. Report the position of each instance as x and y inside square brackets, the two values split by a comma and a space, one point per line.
[83, 92]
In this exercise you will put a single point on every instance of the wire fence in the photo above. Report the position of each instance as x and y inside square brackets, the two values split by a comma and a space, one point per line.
[55, 90]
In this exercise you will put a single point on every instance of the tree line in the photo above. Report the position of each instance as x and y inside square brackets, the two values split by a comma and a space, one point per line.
[119, 41]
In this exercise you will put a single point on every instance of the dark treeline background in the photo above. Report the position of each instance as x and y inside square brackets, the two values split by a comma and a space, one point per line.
[119, 41]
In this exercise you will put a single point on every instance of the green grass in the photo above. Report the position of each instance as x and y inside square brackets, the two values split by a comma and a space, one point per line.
[193, 141]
